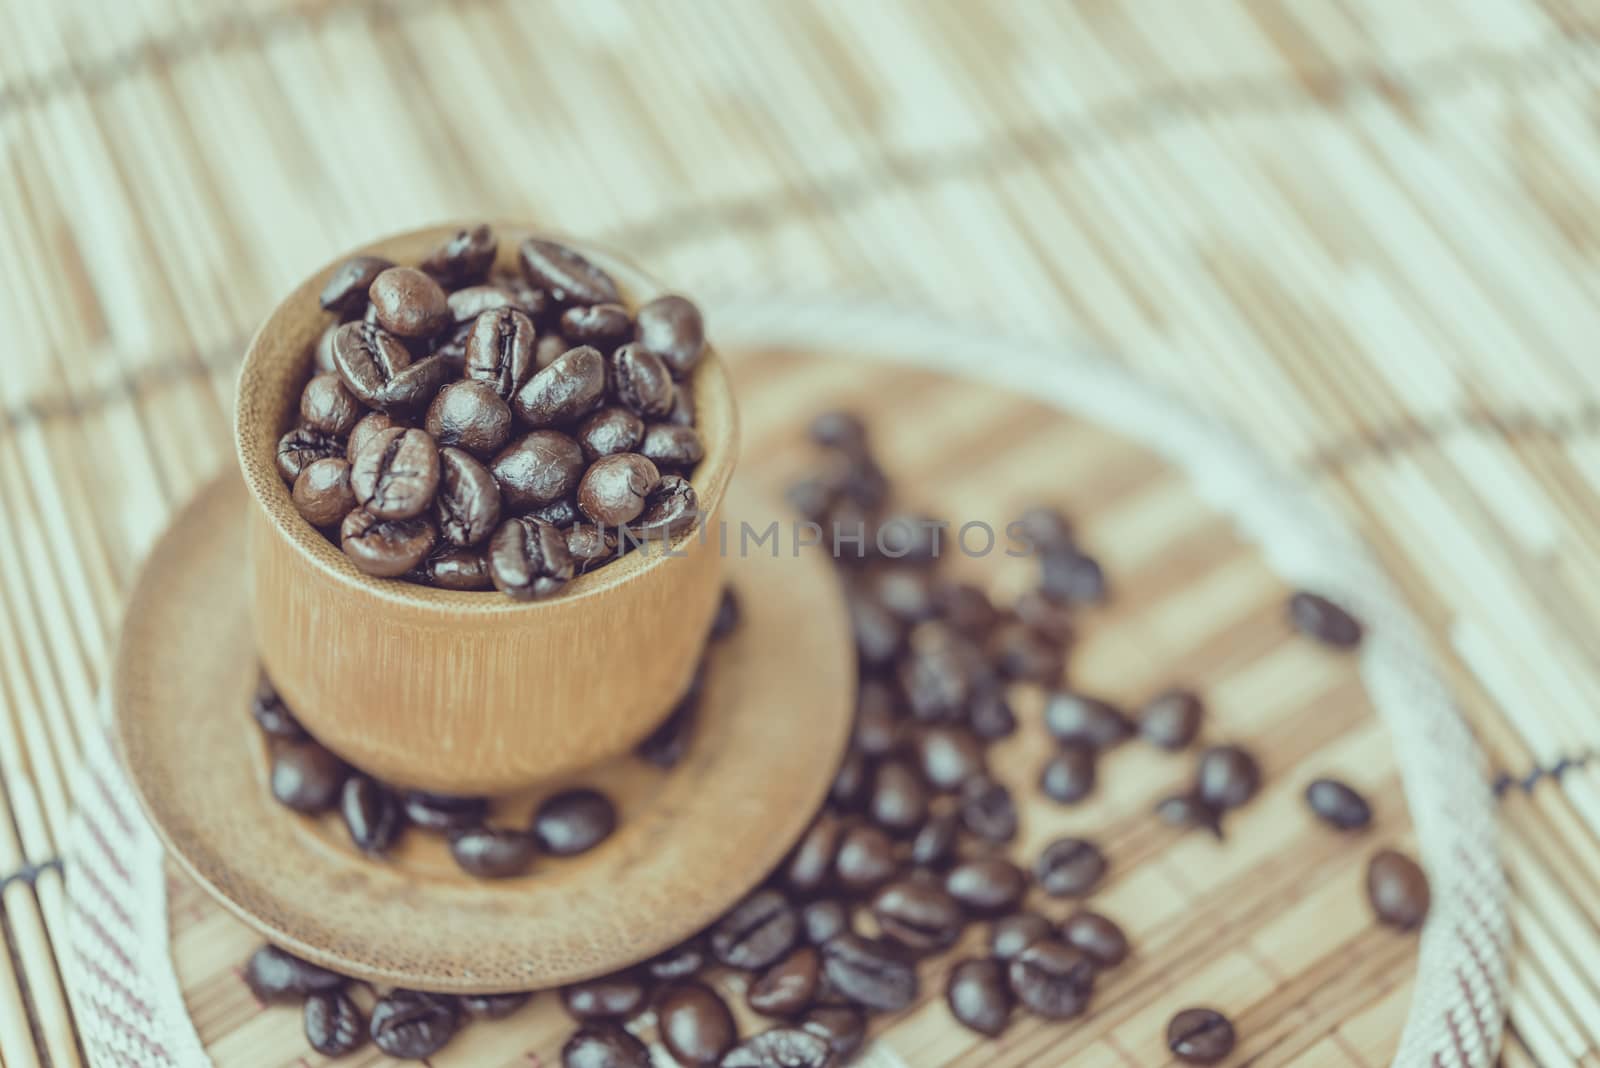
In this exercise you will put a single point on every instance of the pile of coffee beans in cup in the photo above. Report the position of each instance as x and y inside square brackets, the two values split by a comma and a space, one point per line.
[915, 846]
[468, 428]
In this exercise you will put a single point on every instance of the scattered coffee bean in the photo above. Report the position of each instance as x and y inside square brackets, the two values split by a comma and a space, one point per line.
[464, 259]
[614, 490]
[528, 560]
[641, 382]
[371, 814]
[1009, 936]
[680, 962]
[386, 548]
[870, 972]
[333, 1024]
[781, 1047]
[1187, 810]
[604, 1046]
[1397, 889]
[568, 276]
[979, 997]
[1052, 979]
[671, 328]
[1069, 776]
[274, 975]
[612, 997]
[949, 757]
[326, 405]
[1096, 936]
[299, 449]
[1317, 617]
[610, 431]
[759, 930]
[1028, 655]
[671, 446]
[1072, 577]
[493, 1006]
[988, 810]
[787, 987]
[442, 814]
[1076, 717]
[1171, 719]
[987, 886]
[412, 1025]
[574, 822]
[272, 715]
[1052, 620]
[842, 1027]
[899, 801]
[811, 863]
[467, 501]
[1228, 777]
[822, 920]
[665, 745]
[492, 852]
[918, 914]
[726, 621]
[965, 607]
[408, 303]
[596, 324]
[878, 634]
[500, 351]
[935, 843]
[990, 716]
[1070, 867]
[470, 415]
[695, 1024]
[397, 474]
[850, 784]
[323, 494]
[346, 290]
[1200, 1036]
[564, 392]
[307, 778]
[866, 860]
[1338, 805]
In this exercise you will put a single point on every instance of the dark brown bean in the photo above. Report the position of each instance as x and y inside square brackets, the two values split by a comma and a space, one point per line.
[1052, 620]
[408, 303]
[842, 1027]
[272, 715]
[695, 1024]
[307, 778]
[899, 801]
[367, 427]
[371, 814]
[468, 499]
[1397, 889]
[917, 914]
[273, 974]
[1009, 936]
[935, 844]
[978, 996]
[1187, 810]
[671, 327]
[989, 714]
[411, 1025]
[850, 783]
[679, 962]
[563, 513]
[1200, 1036]
[673, 446]
[464, 258]
[987, 886]
[300, 448]
[1228, 776]
[1028, 655]
[492, 852]
[865, 861]
[787, 987]
[1072, 577]
[1070, 867]
[606, 325]
[589, 546]
[369, 360]
[470, 415]
[759, 930]
[1052, 979]
[780, 1047]
[1096, 936]
[1171, 719]
[672, 509]
[442, 813]
[345, 292]
[537, 469]
[641, 382]
[457, 569]
[564, 392]
[871, 973]
[1068, 777]
[615, 488]
[608, 431]
[1077, 717]
[333, 1024]
[811, 863]
[604, 1046]
[567, 274]
[322, 357]
[949, 757]
[1319, 618]
[468, 303]
[528, 560]
[1046, 529]
[326, 404]
[386, 548]
[493, 1006]
[822, 920]
[397, 474]
[611, 997]
[573, 822]
[322, 493]
[500, 351]
[1338, 805]
[988, 810]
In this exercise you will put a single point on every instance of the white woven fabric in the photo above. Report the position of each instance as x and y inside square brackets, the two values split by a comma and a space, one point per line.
[131, 1012]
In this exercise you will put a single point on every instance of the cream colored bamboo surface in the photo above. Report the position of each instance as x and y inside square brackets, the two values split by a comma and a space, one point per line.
[1363, 231]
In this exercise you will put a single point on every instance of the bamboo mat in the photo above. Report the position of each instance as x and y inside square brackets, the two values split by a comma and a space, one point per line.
[1363, 232]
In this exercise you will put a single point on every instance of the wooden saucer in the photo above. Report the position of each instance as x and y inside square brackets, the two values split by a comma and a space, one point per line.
[690, 842]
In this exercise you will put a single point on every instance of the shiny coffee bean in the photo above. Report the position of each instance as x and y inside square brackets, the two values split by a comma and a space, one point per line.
[451, 568]
[569, 277]
[470, 415]
[1009, 936]
[1072, 577]
[299, 449]
[780, 1047]
[935, 843]
[899, 801]
[726, 621]
[949, 756]
[870, 972]
[367, 427]
[371, 814]
[274, 975]
[1046, 529]
[412, 1025]
[671, 328]
[408, 303]
[787, 987]
[492, 852]
[680, 962]
[672, 446]
[614, 489]
[326, 404]
[322, 357]
[842, 1027]
[988, 810]
[443, 814]
[538, 469]
[609, 431]
[641, 382]
[564, 392]
[990, 716]
[940, 673]
[346, 289]
[878, 634]
[695, 1025]
[1076, 717]
[610, 997]
[1027, 655]
[500, 351]
[759, 930]
[528, 560]
[865, 861]
[811, 863]
[272, 715]
[323, 494]
[907, 593]
[589, 546]
[1070, 867]
[605, 325]
[665, 745]
[1228, 776]
[306, 777]
[463, 259]
[852, 781]
[573, 822]
[468, 499]
[493, 1006]
[1069, 776]
[978, 996]
[878, 724]
[1397, 889]
[333, 1024]
[1319, 618]
[1200, 1036]
[604, 1046]
[1338, 805]
[1100, 938]
[1052, 979]
[987, 886]
[563, 513]
[919, 915]
[672, 509]
[1187, 810]
[369, 360]
[397, 474]
[469, 302]
[1171, 719]
[822, 920]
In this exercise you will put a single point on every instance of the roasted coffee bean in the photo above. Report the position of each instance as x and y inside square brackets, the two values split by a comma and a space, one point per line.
[412, 1025]
[322, 493]
[468, 498]
[877, 724]
[371, 814]
[1027, 655]
[452, 345]
[573, 822]
[695, 1025]
[811, 863]
[1187, 810]
[1070, 867]
[1009, 936]
[441, 813]
[671, 509]
[870, 972]
[949, 757]
[589, 546]
[1171, 719]
[299, 449]
[907, 593]
[878, 634]
[726, 621]
[451, 568]
[1096, 936]
[865, 860]
[665, 745]
[919, 915]
[604, 1046]
[680, 962]
[564, 392]
[672, 446]
[839, 430]
[1046, 529]
[470, 415]
[935, 844]
[989, 714]
[683, 407]
[570, 278]
[611, 997]
[759, 930]
[641, 382]
[333, 1024]
[528, 560]
[822, 920]
[367, 427]
[369, 360]
[1072, 577]
[937, 682]
[538, 469]
[407, 303]
[604, 325]
[787, 987]
[346, 289]
[500, 351]
[494, 1006]
[986, 886]
[274, 975]
[563, 513]
[1068, 777]
[386, 548]
[1076, 717]
[842, 1027]
[609, 431]
[1044, 616]
[397, 474]
[614, 489]
[964, 606]
[272, 715]
[671, 328]
[1200, 1036]
[781, 1047]
[306, 777]
[899, 801]
[1228, 776]
[987, 809]
[1052, 979]
[851, 782]
[467, 303]
[1398, 890]
[465, 258]
[1338, 805]
[1317, 617]
[978, 996]
[492, 852]
[548, 349]
[322, 357]
[326, 404]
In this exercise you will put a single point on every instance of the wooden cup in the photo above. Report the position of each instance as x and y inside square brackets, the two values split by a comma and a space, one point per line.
[457, 692]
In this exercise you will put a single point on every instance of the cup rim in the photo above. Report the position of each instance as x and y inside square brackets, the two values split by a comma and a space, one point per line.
[256, 431]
